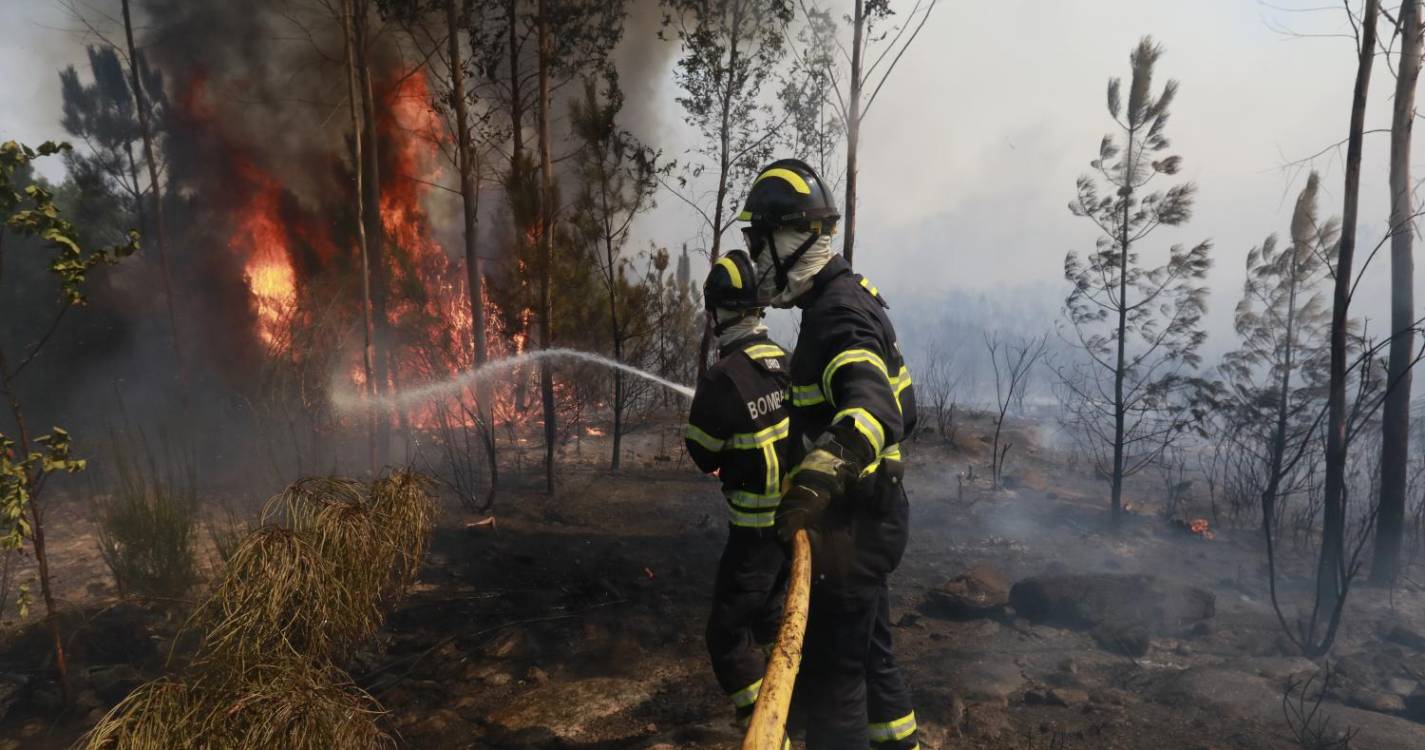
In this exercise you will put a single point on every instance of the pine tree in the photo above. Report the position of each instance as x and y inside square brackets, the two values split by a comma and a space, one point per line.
[1138, 325]
[618, 177]
[1275, 382]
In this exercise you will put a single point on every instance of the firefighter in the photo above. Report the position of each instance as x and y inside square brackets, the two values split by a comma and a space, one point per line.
[851, 406]
[737, 428]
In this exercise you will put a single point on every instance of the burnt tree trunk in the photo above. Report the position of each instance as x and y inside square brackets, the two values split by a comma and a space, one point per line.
[474, 265]
[546, 226]
[853, 129]
[1331, 570]
[375, 235]
[357, 166]
[1121, 362]
[1395, 415]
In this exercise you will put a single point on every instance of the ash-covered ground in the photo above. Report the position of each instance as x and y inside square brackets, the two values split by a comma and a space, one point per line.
[1022, 620]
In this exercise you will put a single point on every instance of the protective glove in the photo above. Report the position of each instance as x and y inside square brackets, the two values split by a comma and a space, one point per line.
[810, 489]
[822, 477]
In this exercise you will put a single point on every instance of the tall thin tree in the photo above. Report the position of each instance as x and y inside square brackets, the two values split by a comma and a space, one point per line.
[618, 177]
[730, 50]
[160, 233]
[1395, 416]
[374, 231]
[870, 68]
[467, 166]
[358, 169]
[1332, 575]
[1139, 326]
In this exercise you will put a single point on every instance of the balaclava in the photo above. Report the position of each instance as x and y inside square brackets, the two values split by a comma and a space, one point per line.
[799, 276]
[737, 325]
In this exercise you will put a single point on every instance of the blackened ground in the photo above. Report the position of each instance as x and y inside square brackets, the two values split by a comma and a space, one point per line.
[576, 621]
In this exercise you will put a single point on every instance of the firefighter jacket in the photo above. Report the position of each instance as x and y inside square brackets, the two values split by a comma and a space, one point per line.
[848, 368]
[738, 428]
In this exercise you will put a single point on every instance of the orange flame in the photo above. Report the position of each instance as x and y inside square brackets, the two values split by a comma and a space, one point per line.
[260, 237]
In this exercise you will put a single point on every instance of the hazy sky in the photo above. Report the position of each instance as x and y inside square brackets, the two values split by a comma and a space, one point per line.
[970, 155]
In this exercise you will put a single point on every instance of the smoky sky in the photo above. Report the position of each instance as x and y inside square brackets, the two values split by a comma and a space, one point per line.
[970, 153]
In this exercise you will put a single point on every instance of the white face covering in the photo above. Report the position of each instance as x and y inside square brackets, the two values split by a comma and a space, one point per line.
[799, 276]
[739, 325]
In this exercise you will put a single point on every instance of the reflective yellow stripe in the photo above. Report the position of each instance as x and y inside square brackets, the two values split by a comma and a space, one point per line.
[893, 731]
[892, 452]
[869, 427]
[901, 381]
[807, 395]
[792, 178]
[745, 500]
[848, 357]
[695, 434]
[763, 351]
[745, 216]
[747, 696]
[751, 440]
[732, 271]
[870, 287]
[752, 520]
[772, 485]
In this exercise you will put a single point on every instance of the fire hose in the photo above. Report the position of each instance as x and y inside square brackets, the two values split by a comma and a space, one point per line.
[768, 727]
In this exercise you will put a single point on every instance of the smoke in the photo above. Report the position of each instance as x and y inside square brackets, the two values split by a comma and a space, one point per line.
[253, 137]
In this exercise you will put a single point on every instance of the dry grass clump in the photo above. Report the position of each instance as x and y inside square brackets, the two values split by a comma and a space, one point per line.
[281, 594]
[298, 707]
[407, 499]
[160, 714]
[293, 600]
[290, 704]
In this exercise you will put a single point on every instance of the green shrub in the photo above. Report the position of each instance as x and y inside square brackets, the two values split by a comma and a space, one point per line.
[146, 527]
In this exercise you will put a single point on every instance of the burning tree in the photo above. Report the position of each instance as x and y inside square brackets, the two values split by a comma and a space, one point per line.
[32, 224]
[1138, 326]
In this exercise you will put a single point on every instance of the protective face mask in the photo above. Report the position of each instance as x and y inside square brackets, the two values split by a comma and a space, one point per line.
[737, 325]
[799, 276]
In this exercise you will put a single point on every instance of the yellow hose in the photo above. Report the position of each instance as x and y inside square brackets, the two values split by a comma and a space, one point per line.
[769, 718]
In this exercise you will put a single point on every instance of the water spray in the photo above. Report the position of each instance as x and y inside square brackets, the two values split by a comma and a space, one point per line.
[348, 401]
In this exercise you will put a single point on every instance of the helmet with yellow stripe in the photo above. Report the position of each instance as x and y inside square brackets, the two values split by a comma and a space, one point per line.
[732, 284]
[788, 193]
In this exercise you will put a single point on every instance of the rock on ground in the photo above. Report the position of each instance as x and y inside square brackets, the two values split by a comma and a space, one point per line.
[1231, 694]
[981, 591]
[1122, 611]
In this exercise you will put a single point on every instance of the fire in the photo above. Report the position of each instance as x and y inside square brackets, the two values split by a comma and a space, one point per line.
[1202, 528]
[260, 236]
[284, 243]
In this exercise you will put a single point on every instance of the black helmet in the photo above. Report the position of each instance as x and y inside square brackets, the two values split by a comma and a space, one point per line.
[788, 193]
[732, 284]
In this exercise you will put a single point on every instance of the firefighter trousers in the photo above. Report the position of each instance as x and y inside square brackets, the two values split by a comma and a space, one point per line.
[747, 605]
[853, 691]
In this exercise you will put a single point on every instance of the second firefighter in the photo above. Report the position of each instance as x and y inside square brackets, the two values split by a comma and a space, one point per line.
[738, 428]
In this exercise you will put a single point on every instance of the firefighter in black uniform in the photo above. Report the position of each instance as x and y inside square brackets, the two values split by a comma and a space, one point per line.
[738, 428]
[851, 406]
